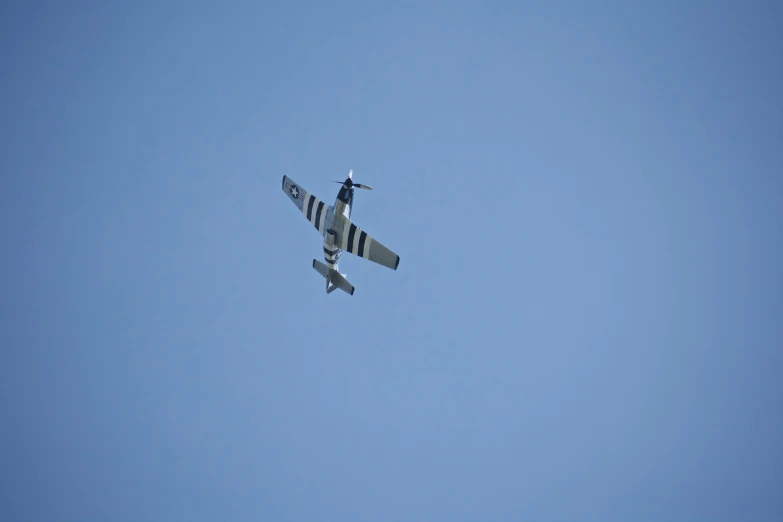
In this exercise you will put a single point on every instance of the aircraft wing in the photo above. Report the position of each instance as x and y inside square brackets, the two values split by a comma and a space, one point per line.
[310, 206]
[353, 239]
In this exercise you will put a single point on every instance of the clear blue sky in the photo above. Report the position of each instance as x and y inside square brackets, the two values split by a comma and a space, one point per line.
[586, 323]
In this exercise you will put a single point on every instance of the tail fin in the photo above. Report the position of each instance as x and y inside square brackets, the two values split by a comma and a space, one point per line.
[334, 279]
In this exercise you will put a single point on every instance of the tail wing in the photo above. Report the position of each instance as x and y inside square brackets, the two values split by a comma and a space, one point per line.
[333, 277]
[341, 282]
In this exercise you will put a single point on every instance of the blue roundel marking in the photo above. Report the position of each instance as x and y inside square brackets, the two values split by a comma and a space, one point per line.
[294, 191]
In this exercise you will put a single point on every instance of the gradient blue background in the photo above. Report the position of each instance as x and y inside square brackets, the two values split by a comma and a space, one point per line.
[586, 323]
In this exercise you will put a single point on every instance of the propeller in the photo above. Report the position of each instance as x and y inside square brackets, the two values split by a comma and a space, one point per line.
[350, 184]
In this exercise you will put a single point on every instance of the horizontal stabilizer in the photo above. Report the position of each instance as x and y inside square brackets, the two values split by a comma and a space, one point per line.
[341, 282]
[334, 279]
[321, 268]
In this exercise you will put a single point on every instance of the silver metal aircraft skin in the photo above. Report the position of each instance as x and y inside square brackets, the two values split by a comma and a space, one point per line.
[334, 224]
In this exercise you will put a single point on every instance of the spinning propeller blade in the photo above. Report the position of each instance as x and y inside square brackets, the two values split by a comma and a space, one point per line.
[349, 182]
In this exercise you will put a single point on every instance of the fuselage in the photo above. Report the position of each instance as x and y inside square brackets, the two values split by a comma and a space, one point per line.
[342, 207]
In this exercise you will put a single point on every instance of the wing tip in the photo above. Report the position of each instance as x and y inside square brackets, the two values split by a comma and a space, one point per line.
[283, 184]
[397, 263]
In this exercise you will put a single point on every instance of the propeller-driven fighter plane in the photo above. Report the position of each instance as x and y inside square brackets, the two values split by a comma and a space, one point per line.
[334, 224]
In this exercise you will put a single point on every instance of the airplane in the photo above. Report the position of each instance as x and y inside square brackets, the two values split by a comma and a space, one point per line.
[334, 224]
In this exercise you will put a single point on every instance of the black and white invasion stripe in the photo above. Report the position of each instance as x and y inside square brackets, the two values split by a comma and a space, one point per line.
[355, 240]
[315, 211]
[332, 256]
